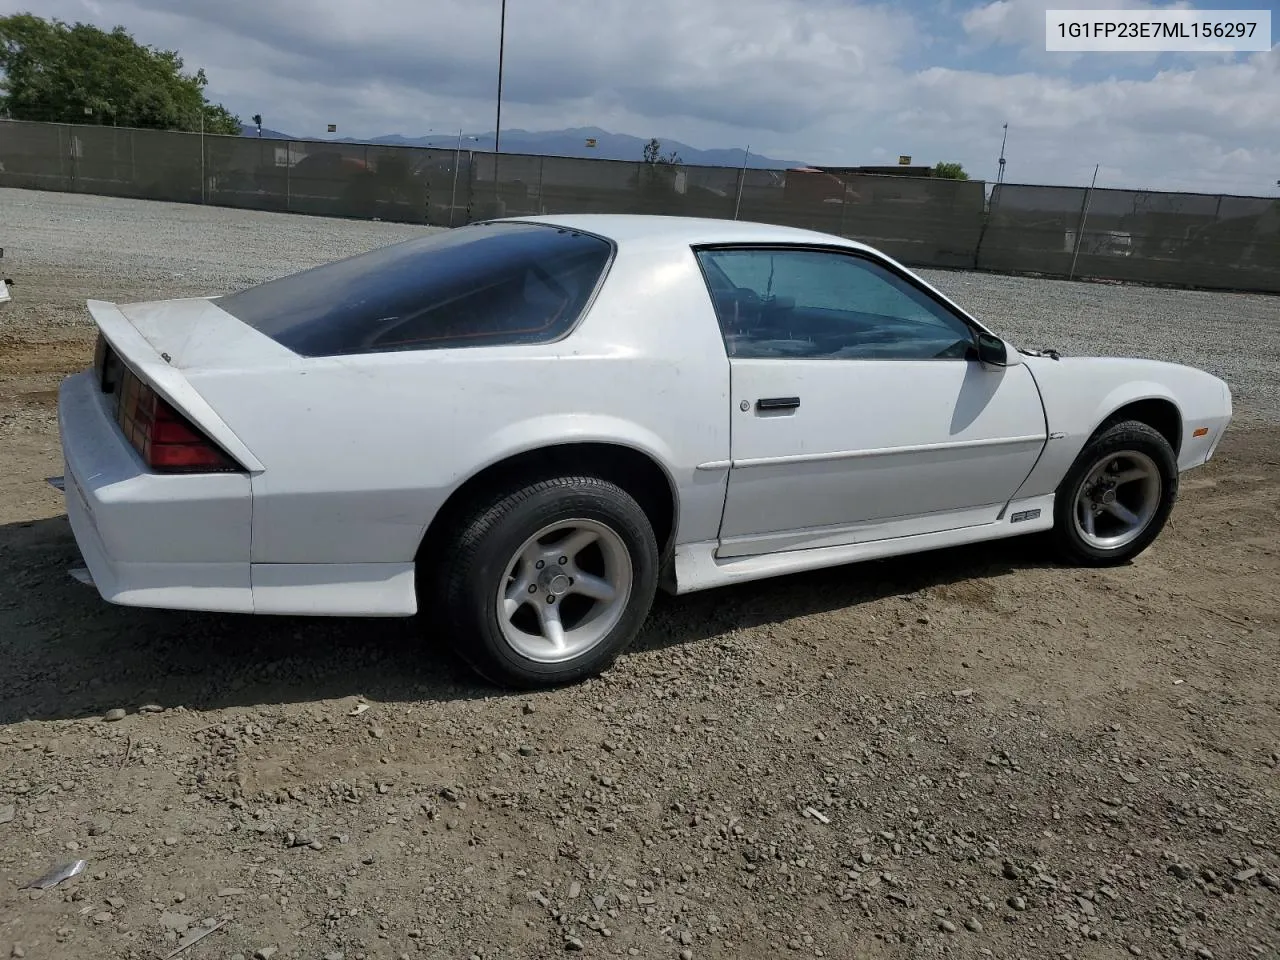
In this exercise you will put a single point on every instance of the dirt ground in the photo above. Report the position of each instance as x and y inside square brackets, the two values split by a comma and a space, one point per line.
[970, 753]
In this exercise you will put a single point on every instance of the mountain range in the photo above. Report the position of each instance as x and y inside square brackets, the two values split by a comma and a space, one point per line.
[571, 142]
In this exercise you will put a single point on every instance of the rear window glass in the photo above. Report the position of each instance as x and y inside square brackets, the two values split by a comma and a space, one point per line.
[505, 283]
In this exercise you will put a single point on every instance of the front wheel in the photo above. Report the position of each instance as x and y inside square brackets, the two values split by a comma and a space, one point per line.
[548, 584]
[1117, 496]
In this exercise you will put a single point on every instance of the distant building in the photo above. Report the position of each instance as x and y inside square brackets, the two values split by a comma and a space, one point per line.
[831, 184]
[889, 171]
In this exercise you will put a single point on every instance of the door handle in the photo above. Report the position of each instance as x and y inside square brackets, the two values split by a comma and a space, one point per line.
[777, 403]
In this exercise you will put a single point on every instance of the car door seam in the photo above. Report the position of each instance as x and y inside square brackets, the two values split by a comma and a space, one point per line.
[1048, 436]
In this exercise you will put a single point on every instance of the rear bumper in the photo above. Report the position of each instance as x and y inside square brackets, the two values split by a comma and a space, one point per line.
[182, 542]
[150, 540]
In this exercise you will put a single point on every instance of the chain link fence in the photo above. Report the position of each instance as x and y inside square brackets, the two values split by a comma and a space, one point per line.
[1213, 241]
[1186, 239]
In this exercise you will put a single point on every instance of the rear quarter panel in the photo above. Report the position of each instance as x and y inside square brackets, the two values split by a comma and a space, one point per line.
[360, 452]
[1080, 393]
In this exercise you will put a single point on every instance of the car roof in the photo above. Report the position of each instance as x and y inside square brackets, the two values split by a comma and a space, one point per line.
[630, 227]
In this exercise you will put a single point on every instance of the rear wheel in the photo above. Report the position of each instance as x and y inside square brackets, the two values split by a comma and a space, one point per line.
[1117, 496]
[548, 584]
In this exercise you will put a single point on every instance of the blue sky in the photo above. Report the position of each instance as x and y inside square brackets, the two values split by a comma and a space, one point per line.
[829, 81]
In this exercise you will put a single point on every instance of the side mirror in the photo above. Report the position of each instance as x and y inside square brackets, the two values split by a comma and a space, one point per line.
[991, 350]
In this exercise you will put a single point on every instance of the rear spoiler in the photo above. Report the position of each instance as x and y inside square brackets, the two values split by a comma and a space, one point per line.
[152, 366]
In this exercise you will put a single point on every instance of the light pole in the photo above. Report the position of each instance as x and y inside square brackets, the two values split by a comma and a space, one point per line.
[497, 127]
[502, 40]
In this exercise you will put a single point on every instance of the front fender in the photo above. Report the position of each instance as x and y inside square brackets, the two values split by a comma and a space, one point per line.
[1081, 393]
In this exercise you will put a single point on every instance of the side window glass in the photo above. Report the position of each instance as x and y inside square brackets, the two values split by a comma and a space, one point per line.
[526, 303]
[504, 283]
[824, 305]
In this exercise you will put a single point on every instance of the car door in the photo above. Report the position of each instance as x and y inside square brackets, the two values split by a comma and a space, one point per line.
[860, 410]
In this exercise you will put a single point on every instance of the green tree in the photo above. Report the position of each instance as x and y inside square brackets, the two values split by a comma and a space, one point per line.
[77, 73]
[653, 153]
[949, 171]
[655, 180]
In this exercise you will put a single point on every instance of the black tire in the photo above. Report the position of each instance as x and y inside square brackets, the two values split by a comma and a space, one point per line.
[1115, 438]
[479, 547]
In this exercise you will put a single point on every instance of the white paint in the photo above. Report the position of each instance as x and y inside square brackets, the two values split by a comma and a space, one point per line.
[1080, 393]
[874, 441]
[147, 361]
[698, 567]
[349, 458]
[866, 531]
[333, 589]
[180, 542]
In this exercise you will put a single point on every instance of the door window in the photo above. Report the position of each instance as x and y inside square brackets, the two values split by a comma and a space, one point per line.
[826, 305]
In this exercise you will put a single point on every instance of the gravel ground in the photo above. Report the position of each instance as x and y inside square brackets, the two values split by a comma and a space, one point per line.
[210, 249]
[129, 248]
[972, 753]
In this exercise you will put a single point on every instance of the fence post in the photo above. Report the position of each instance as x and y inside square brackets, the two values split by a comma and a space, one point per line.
[369, 201]
[457, 160]
[288, 171]
[742, 176]
[1084, 216]
[471, 184]
[203, 180]
[988, 208]
[73, 147]
[542, 166]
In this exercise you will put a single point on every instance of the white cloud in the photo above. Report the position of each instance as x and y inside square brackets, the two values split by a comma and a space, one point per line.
[827, 81]
[1022, 21]
[1172, 129]
[750, 61]
[1021, 24]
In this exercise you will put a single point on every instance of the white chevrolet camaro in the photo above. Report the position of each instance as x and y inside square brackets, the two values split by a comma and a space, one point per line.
[520, 429]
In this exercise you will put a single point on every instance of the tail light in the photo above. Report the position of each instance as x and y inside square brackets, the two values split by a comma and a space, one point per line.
[166, 440]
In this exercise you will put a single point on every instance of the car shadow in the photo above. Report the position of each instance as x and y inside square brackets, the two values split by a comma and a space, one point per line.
[68, 654]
